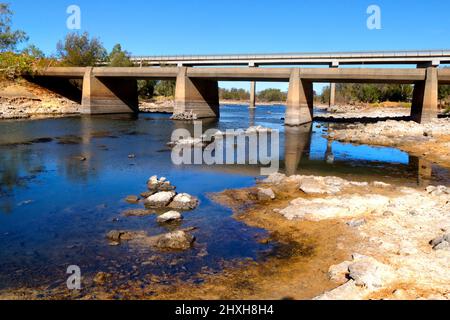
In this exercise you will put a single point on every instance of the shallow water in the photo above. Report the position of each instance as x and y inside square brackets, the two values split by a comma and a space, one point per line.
[55, 209]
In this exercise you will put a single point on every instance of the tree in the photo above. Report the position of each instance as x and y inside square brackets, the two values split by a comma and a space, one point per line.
[146, 88]
[81, 51]
[165, 88]
[9, 39]
[271, 95]
[119, 58]
[34, 52]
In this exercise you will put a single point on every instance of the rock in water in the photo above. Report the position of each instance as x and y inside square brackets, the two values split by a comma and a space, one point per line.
[157, 185]
[265, 194]
[160, 199]
[132, 199]
[169, 216]
[184, 201]
[178, 240]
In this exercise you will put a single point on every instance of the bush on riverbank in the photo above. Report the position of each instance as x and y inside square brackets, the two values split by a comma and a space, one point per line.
[13, 65]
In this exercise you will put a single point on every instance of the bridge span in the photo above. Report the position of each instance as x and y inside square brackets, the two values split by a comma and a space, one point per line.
[419, 58]
[114, 90]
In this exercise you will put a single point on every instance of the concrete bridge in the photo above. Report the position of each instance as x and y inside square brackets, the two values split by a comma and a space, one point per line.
[420, 58]
[114, 90]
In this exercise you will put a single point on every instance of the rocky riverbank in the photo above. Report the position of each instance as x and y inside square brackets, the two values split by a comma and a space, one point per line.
[430, 141]
[24, 100]
[387, 110]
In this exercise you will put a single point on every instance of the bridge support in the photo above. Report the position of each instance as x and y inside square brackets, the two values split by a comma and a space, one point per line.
[199, 96]
[108, 95]
[425, 98]
[332, 94]
[252, 94]
[299, 107]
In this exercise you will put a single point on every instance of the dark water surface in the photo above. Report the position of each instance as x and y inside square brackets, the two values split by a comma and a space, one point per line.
[55, 209]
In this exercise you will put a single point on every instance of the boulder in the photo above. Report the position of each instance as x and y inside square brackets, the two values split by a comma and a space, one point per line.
[369, 273]
[339, 273]
[120, 235]
[169, 217]
[265, 194]
[184, 201]
[160, 199]
[158, 185]
[178, 240]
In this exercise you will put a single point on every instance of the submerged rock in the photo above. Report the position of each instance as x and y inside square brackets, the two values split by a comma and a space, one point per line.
[169, 217]
[160, 199]
[132, 199]
[266, 194]
[101, 278]
[184, 201]
[178, 240]
[137, 213]
[120, 235]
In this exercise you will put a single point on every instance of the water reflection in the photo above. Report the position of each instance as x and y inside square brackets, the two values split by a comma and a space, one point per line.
[77, 171]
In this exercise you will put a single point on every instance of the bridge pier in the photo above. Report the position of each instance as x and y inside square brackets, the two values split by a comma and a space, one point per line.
[252, 94]
[425, 98]
[332, 101]
[108, 95]
[299, 107]
[199, 96]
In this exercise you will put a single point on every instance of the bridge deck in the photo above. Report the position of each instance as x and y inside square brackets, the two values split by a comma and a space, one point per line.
[393, 75]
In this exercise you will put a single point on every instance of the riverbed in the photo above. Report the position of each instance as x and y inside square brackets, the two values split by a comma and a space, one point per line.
[64, 183]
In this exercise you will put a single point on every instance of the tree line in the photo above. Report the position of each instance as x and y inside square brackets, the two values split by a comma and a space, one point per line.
[267, 95]
[348, 93]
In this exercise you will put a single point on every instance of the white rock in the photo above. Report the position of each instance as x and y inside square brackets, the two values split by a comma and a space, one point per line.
[339, 273]
[265, 194]
[160, 199]
[313, 186]
[275, 178]
[169, 216]
[369, 273]
[184, 201]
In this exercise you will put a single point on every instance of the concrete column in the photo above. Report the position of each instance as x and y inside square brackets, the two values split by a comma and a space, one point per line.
[108, 95]
[332, 94]
[199, 96]
[252, 95]
[425, 98]
[299, 107]
[335, 64]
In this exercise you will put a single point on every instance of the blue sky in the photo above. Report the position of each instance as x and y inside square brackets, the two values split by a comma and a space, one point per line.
[148, 27]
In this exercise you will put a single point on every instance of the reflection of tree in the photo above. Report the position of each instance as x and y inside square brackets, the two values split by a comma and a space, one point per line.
[17, 167]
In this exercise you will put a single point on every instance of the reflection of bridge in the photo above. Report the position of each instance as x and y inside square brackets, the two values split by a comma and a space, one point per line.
[114, 90]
